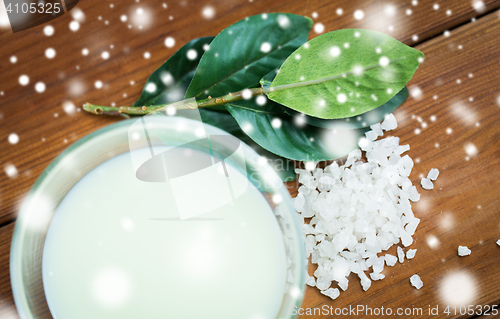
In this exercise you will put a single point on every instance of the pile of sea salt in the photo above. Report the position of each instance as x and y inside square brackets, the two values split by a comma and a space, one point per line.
[358, 210]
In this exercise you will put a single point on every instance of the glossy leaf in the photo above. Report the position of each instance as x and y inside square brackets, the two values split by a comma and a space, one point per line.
[182, 71]
[287, 137]
[170, 81]
[247, 50]
[358, 121]
[354, 70]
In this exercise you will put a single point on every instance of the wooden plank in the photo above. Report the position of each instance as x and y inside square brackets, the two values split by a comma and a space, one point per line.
[31, 115]
[464, 207]
[70, 76]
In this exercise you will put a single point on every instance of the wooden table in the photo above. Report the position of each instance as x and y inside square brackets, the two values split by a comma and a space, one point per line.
[459, 81]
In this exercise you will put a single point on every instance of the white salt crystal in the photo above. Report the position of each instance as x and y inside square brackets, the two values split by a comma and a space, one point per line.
[376, 276]
[401, 149]
[412, 226]
[358, 210]
[414, 196]
[426, 183]
[416, 281]
[406, 239]
[390, 260]
[323, 284]
[371, 135]
[310, 281]
[365, 281]
[433, 174]
[389, 123]
[463, 251]
[401, 254]
[411, 253]
[299, 201]
[378, 266]
[332, 293]
[340, 269]
[377, 128]
[343, 283]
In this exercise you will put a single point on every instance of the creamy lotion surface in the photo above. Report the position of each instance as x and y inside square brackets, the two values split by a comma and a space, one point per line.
[116, 248]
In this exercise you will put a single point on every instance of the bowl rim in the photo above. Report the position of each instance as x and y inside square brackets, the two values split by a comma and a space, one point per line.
[15, 260]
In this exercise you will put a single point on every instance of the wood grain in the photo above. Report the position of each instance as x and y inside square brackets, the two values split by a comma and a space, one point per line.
[45, 129]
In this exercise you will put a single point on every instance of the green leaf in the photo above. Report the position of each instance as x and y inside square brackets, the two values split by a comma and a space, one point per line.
[344, 73]
[226, 122]
[287, 137]
[359, 121]
[182, 70]
[247, 50]
[170, 81]
[354, 122]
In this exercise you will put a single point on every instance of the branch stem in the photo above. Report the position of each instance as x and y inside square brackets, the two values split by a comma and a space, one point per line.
[143, 110]
[231, 97]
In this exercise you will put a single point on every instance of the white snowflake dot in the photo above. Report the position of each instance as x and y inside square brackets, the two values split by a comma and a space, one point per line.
[69, 107]
[147, 55]
[341, 98]
[384, 61]
[13, 59]
[192, 54]
[13, 138]
[10, 170]
[40, 87]
[359, 14]
[123, 18]
[246, 94]
[265, 47]
[85, 51]
[74, 25]
[340, 11]
[358, 70]
[390, 10]
[150, 87]
[261, 100]
[50, 53]
[478, 6]
[335, 51]
[276, 123]
[169, 42]
[48, 30]
[98, 84]
[319, 28]
[105, 55]
[208, 12]
[24, 80]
